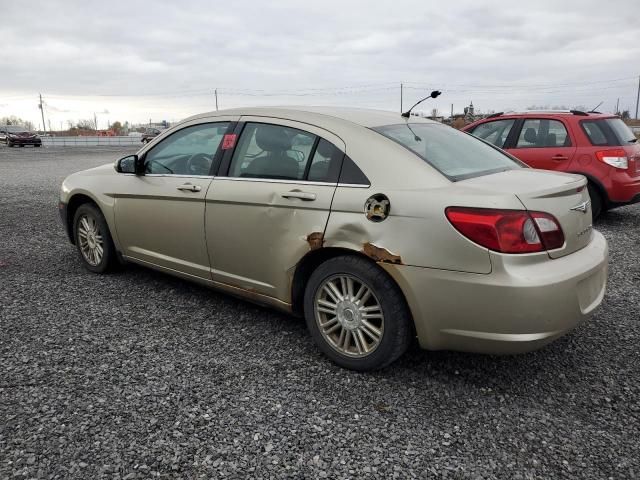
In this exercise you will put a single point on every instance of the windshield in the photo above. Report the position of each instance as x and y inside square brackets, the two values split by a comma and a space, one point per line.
[15, 129]
[455, 154]
[608, 131]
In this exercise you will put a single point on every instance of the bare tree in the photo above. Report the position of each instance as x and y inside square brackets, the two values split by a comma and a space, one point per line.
[86, 124]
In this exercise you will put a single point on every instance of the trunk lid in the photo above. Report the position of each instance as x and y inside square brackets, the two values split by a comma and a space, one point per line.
[564, 196]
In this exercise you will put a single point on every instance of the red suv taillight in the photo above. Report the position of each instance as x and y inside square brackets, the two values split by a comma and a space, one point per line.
[507, 231]
[616, 157]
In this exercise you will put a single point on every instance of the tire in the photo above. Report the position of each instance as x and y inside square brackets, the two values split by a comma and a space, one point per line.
[9, 144]
[596, 200]
[394, 325]
[37, 145]
[90, 229]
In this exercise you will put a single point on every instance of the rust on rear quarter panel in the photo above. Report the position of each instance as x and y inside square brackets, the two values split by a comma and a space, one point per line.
[315, 240]
[380, 254]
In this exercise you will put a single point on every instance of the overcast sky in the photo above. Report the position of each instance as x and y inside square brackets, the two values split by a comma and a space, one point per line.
[162, 60]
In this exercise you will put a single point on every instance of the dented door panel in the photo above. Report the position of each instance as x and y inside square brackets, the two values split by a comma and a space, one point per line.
[255, 235]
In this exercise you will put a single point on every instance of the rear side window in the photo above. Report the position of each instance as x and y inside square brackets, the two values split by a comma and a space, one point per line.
[495, 132]
[325, 166]
[608, 132]
[455, 154]
[271, 151]
[541, 133]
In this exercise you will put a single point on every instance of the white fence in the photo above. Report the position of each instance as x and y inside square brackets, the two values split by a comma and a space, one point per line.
[90, 141]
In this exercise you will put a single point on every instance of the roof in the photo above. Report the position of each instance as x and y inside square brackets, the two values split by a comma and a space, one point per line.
[320, 115]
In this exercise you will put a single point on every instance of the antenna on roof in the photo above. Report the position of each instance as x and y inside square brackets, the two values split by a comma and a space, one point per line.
[434, 94]
[593, 110]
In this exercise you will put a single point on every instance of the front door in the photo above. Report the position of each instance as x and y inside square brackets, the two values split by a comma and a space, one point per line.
[159, 216]
[544, 143]
[272, 206]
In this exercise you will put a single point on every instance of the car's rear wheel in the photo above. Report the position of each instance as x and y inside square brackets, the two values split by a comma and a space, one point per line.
[9, 144]
[93, 239]
[596, 200]
[356, 314]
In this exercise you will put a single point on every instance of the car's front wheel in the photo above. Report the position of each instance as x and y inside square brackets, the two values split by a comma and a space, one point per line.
[356, 314]
[93, 240]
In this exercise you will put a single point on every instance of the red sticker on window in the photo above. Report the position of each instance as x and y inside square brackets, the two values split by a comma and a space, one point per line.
[228, 141]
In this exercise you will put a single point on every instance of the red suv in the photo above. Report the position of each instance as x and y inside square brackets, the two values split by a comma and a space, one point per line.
[599, 146]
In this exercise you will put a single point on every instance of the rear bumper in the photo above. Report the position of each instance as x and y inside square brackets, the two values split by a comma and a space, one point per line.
[526, 302]
[624, 189]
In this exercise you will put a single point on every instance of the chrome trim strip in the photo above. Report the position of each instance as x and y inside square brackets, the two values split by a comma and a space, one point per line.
[174, 175]
[353, 185]
[297, 182]
[260, 180]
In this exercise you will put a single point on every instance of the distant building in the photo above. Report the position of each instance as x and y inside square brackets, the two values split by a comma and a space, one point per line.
[469, 111]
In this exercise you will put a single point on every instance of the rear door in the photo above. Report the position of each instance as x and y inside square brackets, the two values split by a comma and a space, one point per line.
[543, 143]
[271, 203]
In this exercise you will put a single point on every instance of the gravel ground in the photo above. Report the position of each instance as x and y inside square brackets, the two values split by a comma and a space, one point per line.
[141, 375]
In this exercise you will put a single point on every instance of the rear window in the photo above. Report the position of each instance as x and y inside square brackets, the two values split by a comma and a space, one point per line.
[455, 154]
[608, 132]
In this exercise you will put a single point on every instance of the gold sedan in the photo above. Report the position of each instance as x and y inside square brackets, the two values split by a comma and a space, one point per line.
[375, 227]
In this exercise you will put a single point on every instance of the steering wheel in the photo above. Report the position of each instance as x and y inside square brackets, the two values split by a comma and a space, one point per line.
[155, 162]
[199, 164]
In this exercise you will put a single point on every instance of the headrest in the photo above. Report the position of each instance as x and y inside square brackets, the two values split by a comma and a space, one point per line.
[530, 135]
[325, 149]
[272, 139]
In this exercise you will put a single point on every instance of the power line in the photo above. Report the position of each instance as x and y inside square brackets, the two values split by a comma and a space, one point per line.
[355, 89]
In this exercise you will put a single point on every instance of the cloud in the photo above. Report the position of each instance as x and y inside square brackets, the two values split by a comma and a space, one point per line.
[135, 61]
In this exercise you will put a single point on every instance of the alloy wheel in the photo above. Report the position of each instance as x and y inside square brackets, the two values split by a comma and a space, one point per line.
[349, 315]
[90, 240]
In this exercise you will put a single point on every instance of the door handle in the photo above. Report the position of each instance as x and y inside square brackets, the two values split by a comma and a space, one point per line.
[307, 196]
[559, 157]
[187, 187]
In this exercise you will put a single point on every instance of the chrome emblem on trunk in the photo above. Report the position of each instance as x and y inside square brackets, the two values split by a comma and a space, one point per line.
[581, 207]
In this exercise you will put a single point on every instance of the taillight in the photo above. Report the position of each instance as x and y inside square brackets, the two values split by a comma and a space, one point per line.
[507, 231]
[615, 157]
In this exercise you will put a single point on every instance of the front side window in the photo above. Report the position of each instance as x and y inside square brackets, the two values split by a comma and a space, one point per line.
[455, 154]
[540, 133]
[495, 132]
[272, 151]
[189, 151]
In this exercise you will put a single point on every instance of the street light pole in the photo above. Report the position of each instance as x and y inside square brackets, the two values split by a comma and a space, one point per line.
[44, 128]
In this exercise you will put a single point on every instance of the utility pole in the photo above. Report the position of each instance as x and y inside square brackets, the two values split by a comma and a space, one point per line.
[215, 92]
[451, 111]
[638, 97]
[95, 121]
[401, 98]
[617, 112]
[41, 106]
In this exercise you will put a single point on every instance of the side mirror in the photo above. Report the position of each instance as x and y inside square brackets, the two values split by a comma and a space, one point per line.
[128, 164]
